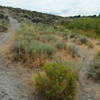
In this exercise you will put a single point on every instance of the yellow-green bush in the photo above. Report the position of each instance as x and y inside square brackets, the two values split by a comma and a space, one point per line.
[56, 82]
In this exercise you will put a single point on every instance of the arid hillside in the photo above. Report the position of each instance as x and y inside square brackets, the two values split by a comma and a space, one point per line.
[48, 57]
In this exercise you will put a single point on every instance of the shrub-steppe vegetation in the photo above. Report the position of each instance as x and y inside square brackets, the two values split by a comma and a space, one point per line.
[36, 17]
[34, 43]
[51, 43]
[86, 26]
[39, 46]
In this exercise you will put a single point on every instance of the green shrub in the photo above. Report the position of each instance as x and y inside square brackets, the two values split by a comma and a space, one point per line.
[94, 70]
[56, 82]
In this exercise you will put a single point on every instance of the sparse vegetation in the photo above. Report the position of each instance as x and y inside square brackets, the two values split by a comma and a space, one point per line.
[33, 42]
[56, 82]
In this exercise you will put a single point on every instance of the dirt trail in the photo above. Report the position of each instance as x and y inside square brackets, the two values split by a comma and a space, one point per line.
[88, 89]
[87, 86]
[8, 37]
[13, 80]
[13, 26]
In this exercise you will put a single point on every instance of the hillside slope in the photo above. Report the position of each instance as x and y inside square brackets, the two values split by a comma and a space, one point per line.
[34, 39]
